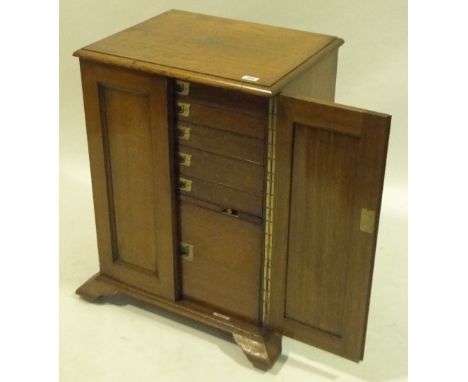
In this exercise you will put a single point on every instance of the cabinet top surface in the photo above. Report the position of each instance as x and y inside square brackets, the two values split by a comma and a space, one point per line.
[236, 53]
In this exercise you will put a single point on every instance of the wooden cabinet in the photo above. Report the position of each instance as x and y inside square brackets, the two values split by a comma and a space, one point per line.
[228, 187]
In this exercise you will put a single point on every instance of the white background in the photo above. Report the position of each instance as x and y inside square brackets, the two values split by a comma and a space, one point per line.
[120, 343]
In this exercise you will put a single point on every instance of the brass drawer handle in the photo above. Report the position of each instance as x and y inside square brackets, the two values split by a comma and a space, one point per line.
[186, 251]
[182, 87]
[185, 159]
[183, 109]
[184, 185]
[183, 132]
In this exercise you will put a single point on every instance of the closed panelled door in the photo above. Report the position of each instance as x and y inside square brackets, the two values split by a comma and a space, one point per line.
[130, 150]
[330, 162]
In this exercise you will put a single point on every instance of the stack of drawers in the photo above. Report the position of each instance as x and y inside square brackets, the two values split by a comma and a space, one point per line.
[220, 149]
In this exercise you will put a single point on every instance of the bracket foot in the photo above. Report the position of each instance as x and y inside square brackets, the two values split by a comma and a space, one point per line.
[95, 288]
[264, 352]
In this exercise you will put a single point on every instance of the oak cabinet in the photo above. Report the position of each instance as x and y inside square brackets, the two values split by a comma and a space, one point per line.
[228, 187]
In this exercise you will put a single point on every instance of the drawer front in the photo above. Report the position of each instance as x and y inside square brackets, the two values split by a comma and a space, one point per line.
[237, 174]
[231, 99]
[223, 269]
[221, 142]
[223, 197]
[225, 119]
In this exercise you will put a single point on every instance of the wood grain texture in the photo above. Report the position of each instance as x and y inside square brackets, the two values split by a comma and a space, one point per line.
[322, 196]
[226, 98]
[96, 288]
[330, 165]
[261, 346]
[130, 152]
[237, 174]
[329, 162]
[214, 46]
[130, 155]
[101, 285]
[223, 143]
[225, 270]
[318, 81]
[222, 210]
[263, 354]
[226, 119]
[225, 197]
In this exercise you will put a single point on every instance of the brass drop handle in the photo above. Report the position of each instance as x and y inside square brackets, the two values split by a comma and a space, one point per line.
[183, 109]
[186, 251]
[182, 87]
[184, 185]
[183, 132]
[185, 159]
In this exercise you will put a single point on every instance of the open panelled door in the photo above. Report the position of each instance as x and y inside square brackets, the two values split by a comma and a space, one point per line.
[330, 164]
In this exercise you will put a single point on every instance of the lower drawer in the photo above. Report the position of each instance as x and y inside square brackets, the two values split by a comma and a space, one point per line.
[222, 264]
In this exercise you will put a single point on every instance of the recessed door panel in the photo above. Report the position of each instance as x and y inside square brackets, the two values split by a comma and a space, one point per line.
[330, 162]
[322, 194]
[130, 151]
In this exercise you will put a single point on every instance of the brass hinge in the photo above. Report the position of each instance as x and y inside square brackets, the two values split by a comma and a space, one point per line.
[269, 194]
[367, 220]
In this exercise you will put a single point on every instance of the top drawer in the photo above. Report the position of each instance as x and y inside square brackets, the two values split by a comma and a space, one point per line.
[248, 103]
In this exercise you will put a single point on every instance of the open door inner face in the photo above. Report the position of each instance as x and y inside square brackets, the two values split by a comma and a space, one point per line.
[330, 164]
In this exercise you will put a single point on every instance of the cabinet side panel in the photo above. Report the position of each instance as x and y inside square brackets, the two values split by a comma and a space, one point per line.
[320, 219]
[127, 128]
[319, 81]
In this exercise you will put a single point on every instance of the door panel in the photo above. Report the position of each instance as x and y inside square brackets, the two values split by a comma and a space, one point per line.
[129, 147]
[322, 193]
[330, 162]
[130, 162]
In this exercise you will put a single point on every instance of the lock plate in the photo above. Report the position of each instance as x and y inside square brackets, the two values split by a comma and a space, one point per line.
[220, 315]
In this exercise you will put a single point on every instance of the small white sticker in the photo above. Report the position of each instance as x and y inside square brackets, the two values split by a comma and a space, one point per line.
[250, 78]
